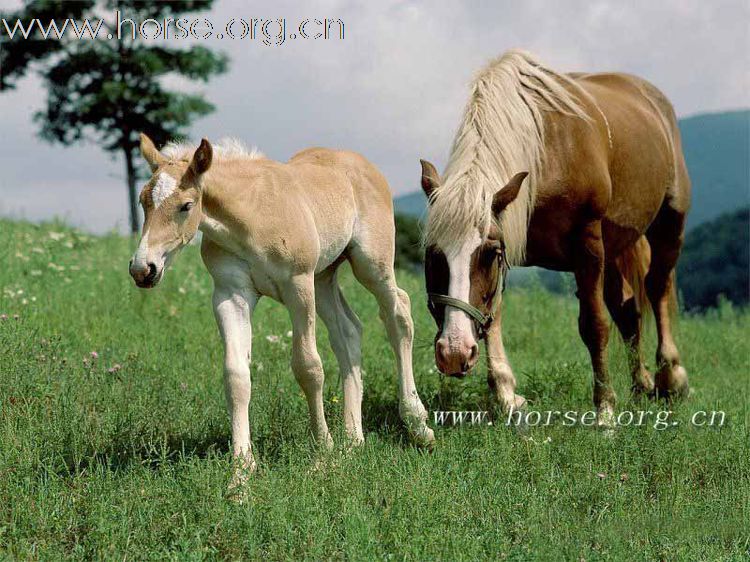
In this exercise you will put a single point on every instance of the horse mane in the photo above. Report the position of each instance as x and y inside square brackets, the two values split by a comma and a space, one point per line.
[501, 134]
[225, 149]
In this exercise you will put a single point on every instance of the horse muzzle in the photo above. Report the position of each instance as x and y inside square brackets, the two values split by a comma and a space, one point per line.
[145, 275]
[455, 360]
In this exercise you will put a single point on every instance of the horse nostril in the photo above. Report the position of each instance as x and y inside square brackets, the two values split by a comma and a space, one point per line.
[441, 354]
[151, 272]
[473, 354]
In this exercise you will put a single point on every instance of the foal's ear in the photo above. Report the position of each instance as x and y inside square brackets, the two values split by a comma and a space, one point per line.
[202, 158]
[430, 178]
[508, 194]
[150, 153]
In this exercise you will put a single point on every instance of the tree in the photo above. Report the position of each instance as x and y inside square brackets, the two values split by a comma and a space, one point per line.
[409, 252]
[108, 91]
[715, 261]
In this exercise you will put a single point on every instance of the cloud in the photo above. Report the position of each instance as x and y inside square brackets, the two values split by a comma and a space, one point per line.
[395, 87]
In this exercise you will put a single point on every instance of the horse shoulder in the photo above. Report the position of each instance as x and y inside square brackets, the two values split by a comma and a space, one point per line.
[575, 170]
[227, 269]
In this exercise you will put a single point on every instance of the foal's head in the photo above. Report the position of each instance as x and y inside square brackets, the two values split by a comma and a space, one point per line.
[171, 202]
[464, 282]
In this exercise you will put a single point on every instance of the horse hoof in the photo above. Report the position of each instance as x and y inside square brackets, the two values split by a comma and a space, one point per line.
[238, 494]
[643, 385]
[354, 442]
[605, 421]
[237, 490]
[323, 443]
[672, 383]
[517, 415]
[423, 438]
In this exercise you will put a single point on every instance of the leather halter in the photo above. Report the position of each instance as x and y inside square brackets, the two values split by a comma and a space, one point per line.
[481, 321]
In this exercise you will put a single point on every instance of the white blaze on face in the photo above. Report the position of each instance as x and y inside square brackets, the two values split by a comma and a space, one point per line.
[458, 326]
[163, 188]
[142, 255]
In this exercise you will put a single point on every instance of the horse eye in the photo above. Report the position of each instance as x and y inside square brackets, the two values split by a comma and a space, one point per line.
[186, 207]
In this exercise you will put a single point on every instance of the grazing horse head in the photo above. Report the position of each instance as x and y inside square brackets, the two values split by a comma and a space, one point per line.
[465, 281]
[171, 202]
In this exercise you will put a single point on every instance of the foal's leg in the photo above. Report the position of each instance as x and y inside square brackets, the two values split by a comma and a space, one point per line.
[622, 305]
[299, 298]
[345, 334]
[500, 377]
[592, 320]
[395, 312]
[233, 308]
[665, 236]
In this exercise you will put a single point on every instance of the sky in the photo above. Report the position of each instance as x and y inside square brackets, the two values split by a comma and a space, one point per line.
[393, 89]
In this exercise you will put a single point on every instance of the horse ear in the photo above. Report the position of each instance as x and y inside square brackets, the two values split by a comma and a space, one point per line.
[150, 153]
[430, 178]
[508, 194]
[202, 158]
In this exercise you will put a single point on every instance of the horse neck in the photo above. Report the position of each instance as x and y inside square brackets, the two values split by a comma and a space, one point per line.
[219, 222]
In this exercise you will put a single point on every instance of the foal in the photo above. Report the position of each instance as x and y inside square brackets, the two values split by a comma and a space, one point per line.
[282, 230]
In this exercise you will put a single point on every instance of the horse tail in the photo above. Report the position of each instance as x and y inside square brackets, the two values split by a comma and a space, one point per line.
[633, 264]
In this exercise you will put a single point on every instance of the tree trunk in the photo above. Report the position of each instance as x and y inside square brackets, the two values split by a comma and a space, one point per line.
[132, 195]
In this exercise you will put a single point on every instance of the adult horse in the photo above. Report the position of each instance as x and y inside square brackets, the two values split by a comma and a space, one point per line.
[282, 230]
[605, 195]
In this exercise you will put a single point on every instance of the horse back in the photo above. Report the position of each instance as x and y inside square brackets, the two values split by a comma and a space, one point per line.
[620, 167]
[363, 181]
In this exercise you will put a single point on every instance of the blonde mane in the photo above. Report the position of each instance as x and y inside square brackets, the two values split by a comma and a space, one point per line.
[226, 149]
[501, 134]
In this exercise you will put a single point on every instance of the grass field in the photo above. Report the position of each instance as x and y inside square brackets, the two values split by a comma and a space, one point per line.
[114, 435]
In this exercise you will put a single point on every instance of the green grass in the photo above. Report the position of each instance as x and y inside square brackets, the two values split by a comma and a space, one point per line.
[135, 463]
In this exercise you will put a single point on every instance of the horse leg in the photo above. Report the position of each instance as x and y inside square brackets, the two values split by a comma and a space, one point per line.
[665, 236]
[500, 377]
[233, 309]
[395, 311]
[592, 321]
[622, 305]
[345, 335]
[299, 298]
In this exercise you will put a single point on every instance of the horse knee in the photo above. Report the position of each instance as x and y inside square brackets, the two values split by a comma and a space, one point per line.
[237, 379]
[403, 312]
[308, 370]
[594, 329]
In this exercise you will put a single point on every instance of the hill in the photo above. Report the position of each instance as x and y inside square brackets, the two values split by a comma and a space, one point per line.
[717, 151]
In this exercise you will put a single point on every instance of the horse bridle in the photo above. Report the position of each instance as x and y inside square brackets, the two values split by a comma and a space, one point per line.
[481, 321]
